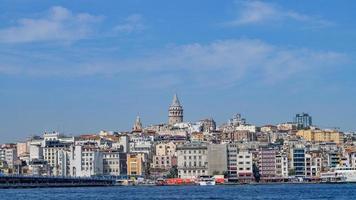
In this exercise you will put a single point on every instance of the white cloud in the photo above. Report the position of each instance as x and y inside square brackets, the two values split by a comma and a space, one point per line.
[58, 24]
[257, 12]
[133, 23]
[220, 63]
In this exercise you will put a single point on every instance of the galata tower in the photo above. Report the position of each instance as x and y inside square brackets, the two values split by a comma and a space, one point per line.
[175, 114]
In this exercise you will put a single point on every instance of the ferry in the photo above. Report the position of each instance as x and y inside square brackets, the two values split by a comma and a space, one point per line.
[340, 175]
[206, 180]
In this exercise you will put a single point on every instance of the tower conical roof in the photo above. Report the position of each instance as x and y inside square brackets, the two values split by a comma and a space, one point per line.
[175, 101]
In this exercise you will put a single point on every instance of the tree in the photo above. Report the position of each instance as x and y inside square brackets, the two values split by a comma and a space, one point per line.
[256, 172]
[216, 173]
[279, 141]
[226, 174]
[291, 172]
[173, 172]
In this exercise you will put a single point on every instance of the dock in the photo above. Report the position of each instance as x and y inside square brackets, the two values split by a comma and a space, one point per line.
[18, 181]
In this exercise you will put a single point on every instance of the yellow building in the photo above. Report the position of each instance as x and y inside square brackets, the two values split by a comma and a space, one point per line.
[135, 164]
[322, 136]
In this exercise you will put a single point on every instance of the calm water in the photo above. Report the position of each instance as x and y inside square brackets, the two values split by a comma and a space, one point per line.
[265, 192]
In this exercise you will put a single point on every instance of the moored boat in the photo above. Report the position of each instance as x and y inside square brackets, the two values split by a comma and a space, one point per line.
[206, 180]
[339, 175]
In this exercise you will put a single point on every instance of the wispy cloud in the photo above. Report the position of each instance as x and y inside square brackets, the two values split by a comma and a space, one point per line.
[258, 12]
[58, 24]
[220, 63]
[133, 23]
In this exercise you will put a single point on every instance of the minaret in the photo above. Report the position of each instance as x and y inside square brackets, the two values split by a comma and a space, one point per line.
[175, 114]
[138, 125]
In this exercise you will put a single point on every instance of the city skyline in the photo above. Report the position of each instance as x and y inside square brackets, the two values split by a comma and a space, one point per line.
[175, 118]
[80, 67]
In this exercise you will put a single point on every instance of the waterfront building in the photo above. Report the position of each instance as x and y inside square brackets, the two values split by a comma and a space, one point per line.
[39, 168]
[281, 165]
[244, 168]
[217, 159]
[86, 161]
[267, 162]
[313, 163]
[232, 151]
[175, 112]
[52, 150]
[192, 160]
[8, 154]
[136, 164]
[298, 159]
[165, 156]
[63, 164]
[114, 163]
[333, 158]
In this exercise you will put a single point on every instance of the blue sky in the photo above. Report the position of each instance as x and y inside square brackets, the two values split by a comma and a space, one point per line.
[83, 66]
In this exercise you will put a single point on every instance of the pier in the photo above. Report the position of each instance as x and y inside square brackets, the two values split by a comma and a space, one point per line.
[48, 181]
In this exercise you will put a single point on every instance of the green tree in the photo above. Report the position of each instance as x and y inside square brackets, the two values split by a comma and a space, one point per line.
[173, 172]
[216, 173]
[256, 172]
[291, 172]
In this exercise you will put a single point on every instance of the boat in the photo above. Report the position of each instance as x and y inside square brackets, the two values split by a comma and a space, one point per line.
[206, 180]
[339, 175]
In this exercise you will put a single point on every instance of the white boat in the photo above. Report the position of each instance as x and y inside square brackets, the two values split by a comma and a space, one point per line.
[203, 181]
[340, 175]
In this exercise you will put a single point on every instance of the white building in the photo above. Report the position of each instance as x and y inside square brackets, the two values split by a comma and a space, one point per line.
[246, 127]
[63, 166]
[244, 164]
[282, 165]
[36, 149]
[192, 160]
[10, 156]
[141, 144]
[86, 161]
[52, 151]
[114, 163]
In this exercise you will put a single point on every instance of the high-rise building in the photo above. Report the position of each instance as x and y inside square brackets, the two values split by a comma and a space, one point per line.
[299, 161]
[175, 114]
[303, 120]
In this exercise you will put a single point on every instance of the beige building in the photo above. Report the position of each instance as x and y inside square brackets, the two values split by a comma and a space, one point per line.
[135, 164]
[22, 148]
[322, 136]
[165, 149]
[165, 156]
